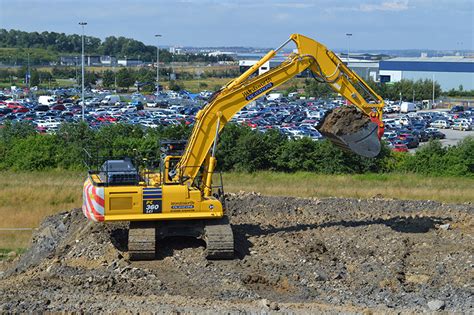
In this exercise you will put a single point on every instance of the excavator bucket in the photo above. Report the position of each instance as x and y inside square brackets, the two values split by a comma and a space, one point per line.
[352, 131]
[364, 142]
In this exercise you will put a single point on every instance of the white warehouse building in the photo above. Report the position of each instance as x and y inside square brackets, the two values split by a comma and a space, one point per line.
[367, 69]
[449, 72]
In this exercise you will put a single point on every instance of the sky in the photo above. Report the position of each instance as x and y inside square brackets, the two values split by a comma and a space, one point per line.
[374, 24]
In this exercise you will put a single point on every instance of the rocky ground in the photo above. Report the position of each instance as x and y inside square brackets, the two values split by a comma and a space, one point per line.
[293, 255]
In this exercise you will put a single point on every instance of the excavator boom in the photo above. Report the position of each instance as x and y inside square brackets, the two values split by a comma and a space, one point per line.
[325, 67]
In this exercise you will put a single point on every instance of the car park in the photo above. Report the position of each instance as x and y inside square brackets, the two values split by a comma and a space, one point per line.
[295, 118]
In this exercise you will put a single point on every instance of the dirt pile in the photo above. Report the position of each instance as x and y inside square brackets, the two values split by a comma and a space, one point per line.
[343, 121]
[311, 255]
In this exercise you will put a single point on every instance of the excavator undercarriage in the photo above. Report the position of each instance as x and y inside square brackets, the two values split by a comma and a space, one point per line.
[144, 237]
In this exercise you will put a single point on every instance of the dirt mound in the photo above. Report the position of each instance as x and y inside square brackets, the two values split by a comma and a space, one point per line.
[343, 121]
[293, 255]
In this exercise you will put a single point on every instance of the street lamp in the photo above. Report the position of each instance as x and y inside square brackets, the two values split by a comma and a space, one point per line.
[348, 46]
[157, 67]
[82, 58]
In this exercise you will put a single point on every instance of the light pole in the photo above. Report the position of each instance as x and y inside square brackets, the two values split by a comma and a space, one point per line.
[75, 66]
[157, 67]
[115, 75]
[82, 58]
[28, 73]
[348, 46]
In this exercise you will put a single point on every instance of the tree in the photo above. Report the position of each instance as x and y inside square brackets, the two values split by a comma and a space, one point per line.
[35, 78]
[174, 86]
[108, 79]
[90, 78]
[315, 88]
[125, 78]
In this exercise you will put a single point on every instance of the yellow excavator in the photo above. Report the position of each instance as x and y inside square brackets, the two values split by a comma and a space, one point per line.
[180, 199]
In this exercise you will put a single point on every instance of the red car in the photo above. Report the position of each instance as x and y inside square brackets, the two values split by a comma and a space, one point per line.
[400, 147]
[21, 110]
[59, 107]
[14, 105]
[107, 119]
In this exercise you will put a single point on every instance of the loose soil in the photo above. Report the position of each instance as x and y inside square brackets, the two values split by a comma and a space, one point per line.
[343, 121]
[292, 255]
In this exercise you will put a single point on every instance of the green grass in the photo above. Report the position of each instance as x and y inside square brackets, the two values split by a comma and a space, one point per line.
[4, 252]
[27, 197]
[399, 186]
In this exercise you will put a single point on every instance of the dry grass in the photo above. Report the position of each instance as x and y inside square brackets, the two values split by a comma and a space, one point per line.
[26, 198]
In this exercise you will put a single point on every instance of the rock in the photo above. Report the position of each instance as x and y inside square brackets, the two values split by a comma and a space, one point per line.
[265, 303]
[445, 226]
[320, 277]
[436, 305]
[274, 306]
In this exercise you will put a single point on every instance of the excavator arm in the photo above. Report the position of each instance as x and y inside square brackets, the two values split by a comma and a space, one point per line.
[325, 66]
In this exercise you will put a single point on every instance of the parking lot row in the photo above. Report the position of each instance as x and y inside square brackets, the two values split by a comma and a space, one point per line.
[295, 118]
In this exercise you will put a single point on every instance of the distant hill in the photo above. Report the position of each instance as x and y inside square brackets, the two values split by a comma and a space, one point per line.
[62, 44]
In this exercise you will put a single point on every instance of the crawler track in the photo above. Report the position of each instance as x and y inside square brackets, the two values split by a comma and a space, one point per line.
[142, 240]
[219, 239]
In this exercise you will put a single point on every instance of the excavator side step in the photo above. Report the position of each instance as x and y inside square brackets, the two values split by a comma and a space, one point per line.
[216, 233]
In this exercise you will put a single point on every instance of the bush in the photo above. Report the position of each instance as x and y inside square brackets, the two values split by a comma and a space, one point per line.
[239, 149]
[433, 159]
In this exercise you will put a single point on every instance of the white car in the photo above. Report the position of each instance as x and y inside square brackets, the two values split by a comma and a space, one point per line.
[463, 126]
[128, 109]
[149, 124]
[461, 120]
[440, 124]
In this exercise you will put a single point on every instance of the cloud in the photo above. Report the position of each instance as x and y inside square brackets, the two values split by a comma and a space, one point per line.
[282, 16]
[401, 5]
[295, 5]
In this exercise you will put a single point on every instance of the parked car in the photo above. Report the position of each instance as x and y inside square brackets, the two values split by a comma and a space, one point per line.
[399, 146]
[407, 107]
[59, 107]
[457, 109]
[410, 140]
[110, 100]
[138, 104]
[463, 126]
[440, 124]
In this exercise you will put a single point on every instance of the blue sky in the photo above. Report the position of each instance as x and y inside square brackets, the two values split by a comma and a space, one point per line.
[384, 24]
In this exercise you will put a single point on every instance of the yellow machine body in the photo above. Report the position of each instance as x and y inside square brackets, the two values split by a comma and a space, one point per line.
[149, 203]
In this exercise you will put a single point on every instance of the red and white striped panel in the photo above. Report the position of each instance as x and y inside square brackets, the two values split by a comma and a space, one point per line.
[93, 202]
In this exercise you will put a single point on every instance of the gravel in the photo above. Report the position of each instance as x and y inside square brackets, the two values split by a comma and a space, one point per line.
[292, 255]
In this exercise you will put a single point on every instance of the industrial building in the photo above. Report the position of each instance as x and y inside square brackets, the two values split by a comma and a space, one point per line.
[449, 72]
[364, 68]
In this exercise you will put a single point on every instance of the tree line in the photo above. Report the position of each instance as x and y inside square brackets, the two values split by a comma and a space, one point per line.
[406, 90]
[118, 47]
[239, 149]
[123, 77]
